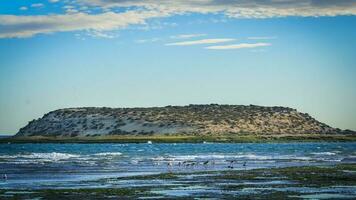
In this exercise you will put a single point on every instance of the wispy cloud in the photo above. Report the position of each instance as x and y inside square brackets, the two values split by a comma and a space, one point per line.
[239, 46]
[100, 34]
[185, 36]
[148, 40]
[239, 8]
[12, 26]
[37, 5]
[197, 42]
[182, 36]
[68, 7]
[262, 38]
[124, 13]
[23, 8]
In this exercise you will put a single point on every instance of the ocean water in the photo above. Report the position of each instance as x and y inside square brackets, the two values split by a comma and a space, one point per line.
[35, 166]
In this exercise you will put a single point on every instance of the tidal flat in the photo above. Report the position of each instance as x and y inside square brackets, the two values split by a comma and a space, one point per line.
[300, 170]
[307, 182]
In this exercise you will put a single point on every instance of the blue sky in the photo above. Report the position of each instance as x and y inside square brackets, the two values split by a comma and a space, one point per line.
[114, 53]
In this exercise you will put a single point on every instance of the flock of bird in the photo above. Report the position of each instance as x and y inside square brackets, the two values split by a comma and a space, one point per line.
[231, 163]
[191, 164]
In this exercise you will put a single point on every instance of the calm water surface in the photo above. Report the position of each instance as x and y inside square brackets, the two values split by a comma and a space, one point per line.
[33, 166]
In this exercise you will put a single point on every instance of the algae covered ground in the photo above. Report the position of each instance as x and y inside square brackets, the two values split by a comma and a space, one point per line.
[305, 182]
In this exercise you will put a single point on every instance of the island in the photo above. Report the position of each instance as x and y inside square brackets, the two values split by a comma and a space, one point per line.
[191, 123]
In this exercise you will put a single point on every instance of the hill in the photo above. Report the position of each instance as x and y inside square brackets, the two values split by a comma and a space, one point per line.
[197, 120]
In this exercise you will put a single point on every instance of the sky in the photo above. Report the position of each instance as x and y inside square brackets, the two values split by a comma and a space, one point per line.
[137, 53]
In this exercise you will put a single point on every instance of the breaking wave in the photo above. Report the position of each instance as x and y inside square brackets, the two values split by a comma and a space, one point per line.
[39, 157]
[108, 154]
[324, 153]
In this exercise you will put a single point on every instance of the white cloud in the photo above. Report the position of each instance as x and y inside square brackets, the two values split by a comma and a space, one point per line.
[139, 11]
[156, 24]
[26, 26]
[197, 42]
[37, 5]
[240, 8]
[185, 36]
[68, 7]
[100, 34]
[239, 46]
[261, 38]
[71, 11]
[23, 8]
[148, 40]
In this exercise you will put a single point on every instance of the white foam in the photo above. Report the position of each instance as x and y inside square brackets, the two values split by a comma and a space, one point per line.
[324, 153]
[51, 156]
[44, 157]
[108, 154]
[291, 157]
[254, 157]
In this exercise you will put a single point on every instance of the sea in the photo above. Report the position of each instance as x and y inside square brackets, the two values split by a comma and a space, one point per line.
[43, 166]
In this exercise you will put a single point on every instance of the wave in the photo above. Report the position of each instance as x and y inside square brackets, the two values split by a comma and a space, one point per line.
[40, 157]
[324, 153]
[108, 154]
[33, 158]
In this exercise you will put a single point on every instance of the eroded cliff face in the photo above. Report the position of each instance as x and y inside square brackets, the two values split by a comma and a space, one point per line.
[210, 119]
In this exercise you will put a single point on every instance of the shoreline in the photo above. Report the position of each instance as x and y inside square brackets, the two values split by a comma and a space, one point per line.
[185, 139]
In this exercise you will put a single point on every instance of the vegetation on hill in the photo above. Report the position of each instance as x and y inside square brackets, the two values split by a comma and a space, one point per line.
[192, 120]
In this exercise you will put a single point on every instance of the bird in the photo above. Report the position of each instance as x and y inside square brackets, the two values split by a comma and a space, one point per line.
[244, 164]
[5, 177]
[206, 163]
[169, 166]
[231, 165]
